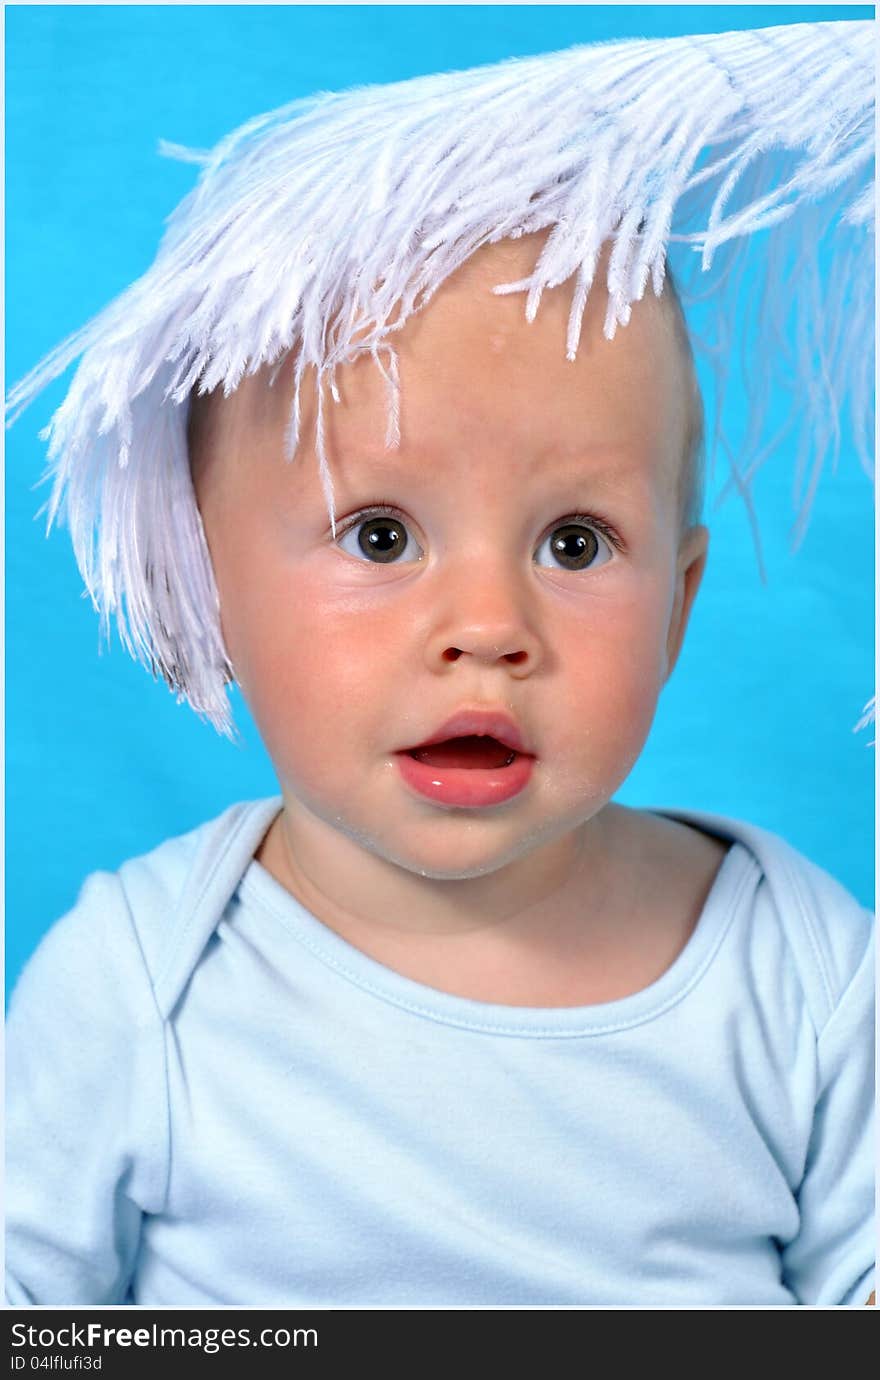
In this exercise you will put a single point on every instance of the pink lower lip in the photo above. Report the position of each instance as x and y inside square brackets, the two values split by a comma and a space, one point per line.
[469, 786]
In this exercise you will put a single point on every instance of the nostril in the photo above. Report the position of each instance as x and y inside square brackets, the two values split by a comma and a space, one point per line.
[515, 658]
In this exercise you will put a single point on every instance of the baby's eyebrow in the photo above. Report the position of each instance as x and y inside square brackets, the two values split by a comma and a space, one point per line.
[605, 469]
[583, 484]
[601, 460]
[363, 470]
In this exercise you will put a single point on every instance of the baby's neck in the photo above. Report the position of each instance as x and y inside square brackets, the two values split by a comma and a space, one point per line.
[356, 890]
[605, 920]
[536, 902]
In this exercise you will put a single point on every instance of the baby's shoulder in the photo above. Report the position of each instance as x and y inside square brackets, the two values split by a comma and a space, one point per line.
[827, 933]
[177, 893]
[143, 927]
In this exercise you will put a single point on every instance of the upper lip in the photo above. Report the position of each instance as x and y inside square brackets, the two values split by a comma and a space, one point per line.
[484, 723]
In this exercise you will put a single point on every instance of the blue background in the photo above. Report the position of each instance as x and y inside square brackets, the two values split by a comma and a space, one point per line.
[102, 763]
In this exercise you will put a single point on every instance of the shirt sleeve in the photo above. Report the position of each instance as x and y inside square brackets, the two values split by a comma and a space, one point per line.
[86, 1107]
[831, 1260]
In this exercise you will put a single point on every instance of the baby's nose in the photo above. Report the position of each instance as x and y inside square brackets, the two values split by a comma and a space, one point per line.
[486, 618]
[484, 650]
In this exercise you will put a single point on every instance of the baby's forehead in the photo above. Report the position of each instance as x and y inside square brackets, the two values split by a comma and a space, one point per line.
[440, 465]
[474, 372]
[503, 479]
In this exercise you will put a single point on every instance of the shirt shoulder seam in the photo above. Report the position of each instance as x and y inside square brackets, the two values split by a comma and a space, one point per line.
[162, 1139]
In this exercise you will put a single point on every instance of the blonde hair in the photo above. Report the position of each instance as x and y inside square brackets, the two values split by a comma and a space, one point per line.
[691, 482]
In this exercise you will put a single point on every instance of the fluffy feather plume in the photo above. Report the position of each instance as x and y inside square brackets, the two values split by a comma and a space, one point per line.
[324, 225]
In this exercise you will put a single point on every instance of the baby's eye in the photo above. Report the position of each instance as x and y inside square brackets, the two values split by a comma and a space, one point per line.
[576, 545]
[379, 536]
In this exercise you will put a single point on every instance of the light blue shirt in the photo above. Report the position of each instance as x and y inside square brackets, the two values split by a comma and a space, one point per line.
[215, 1099]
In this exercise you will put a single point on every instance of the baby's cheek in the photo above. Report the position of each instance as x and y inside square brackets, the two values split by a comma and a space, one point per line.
[311, 688]
[614, 677]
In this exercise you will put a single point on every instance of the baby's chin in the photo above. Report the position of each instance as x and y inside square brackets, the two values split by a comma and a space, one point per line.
[463, 846]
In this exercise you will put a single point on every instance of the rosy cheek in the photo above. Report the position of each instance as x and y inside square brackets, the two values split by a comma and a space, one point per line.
[614, 668]
[310, 668]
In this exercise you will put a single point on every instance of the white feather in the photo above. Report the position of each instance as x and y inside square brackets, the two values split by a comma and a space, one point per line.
[354, 207]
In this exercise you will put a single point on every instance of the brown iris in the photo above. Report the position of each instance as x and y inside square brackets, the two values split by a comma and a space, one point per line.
[574, 546]
[382, 538]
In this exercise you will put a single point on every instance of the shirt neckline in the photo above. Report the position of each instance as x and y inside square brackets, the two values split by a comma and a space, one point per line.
[260, 889]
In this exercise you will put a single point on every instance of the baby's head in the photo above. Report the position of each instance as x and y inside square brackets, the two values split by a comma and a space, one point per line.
[322, 234]
[540, 479]
[531, 548]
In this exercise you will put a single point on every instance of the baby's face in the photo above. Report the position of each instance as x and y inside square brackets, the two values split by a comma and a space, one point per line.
[526, 558]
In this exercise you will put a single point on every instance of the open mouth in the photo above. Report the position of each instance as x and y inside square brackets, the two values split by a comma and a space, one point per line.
[472, 752]
[471, 771]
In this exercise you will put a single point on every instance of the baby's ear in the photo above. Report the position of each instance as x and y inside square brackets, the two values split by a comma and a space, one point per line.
[692, 554]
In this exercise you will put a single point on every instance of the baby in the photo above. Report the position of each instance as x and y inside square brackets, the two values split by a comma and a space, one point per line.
[445, 1024]
[452, 690]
